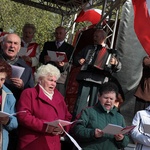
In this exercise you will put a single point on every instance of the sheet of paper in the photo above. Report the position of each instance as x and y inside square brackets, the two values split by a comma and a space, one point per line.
[62, 56]
[112, 129]
[17, 71]
[127, 129]
[62, 122]
[52, 55]
[115, 129]
[5, 114]
[71, 138]
[57, 56]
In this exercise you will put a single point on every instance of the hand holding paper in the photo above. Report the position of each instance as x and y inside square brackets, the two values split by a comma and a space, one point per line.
[57, 56]
[5, 114]
[115, 129]
[17, 71]
[62, 122]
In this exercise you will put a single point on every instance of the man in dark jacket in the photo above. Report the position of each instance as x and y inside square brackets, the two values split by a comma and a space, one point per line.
[10, 47]
[92, 75]
[58, 45]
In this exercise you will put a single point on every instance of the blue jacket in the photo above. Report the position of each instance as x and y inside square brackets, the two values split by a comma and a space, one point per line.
[8, 105]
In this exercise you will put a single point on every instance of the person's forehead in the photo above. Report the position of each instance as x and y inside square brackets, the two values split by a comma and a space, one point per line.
[13, 38]
[97, 33]
[28, 29]
[60, 30]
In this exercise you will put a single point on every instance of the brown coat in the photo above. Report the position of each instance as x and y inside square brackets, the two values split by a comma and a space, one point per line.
[143, 90]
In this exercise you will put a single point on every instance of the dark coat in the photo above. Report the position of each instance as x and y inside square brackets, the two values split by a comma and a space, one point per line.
[143, 90]
[65, 47]
[51, 46]
[26, 77]
[93, 74]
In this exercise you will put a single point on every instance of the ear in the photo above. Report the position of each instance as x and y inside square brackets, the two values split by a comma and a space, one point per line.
[39, 82]
[19, 47]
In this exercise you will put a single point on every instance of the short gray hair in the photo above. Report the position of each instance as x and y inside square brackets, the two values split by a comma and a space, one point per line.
[6, 36]
[46, 70]
[29, 25]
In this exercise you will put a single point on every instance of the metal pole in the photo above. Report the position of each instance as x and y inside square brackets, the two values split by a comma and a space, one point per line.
[114, 29]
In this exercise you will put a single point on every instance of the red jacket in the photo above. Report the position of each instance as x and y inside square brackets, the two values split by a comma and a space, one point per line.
[39, 109]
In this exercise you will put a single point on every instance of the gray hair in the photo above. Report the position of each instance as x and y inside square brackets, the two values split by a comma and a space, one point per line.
[29, 25]
[6, 36]
[46, 70]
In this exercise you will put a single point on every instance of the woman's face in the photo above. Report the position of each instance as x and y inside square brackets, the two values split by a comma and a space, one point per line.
[107, 100]
[48, 83]
[2, 78]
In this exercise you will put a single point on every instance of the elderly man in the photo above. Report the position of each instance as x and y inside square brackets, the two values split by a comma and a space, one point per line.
[10, 48]
[58, 45]
[92, 75]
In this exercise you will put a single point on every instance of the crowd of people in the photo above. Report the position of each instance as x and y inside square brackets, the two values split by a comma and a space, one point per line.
[30, 101]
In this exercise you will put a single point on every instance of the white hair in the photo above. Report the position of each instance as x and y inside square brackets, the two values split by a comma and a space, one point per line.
[46, 70]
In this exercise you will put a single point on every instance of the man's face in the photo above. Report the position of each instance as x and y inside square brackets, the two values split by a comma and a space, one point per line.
[107, 100]
[60, 34]
[11, 46]
[98, 38]
[28, 35]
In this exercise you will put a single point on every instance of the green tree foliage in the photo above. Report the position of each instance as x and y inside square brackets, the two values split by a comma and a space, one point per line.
[14, 15]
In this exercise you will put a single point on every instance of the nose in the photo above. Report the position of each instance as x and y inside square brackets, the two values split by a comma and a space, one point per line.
[54, 83]
[108, 100]
[12, 45]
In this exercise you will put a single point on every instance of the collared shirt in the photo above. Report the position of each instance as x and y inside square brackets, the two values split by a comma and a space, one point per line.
[50, 96]
[60, 43]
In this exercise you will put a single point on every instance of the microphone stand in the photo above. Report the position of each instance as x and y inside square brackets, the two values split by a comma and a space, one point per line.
[69, 65]
[71, 57]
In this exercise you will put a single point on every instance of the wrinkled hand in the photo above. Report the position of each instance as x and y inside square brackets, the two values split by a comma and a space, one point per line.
[54, 130]
[47, 58]
[17, 82]
[60, 64]
[4, 120]
[119, 137]
[113, 61]
[98, 133]
[81, 61]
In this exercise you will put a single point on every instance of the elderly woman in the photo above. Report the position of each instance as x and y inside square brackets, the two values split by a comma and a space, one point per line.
[7, 104]
[43, 103]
